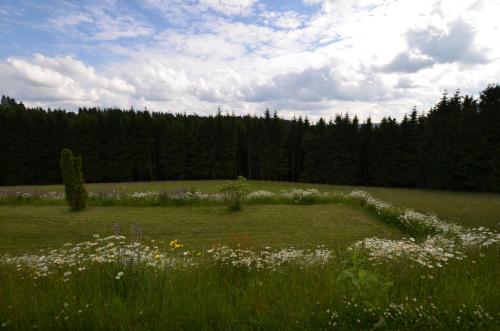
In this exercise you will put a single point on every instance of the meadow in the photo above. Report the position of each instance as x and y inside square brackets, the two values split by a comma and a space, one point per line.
[472, 209]
[312, 257]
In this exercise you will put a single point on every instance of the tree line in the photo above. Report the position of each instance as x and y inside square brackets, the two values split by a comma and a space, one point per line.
[453, 146]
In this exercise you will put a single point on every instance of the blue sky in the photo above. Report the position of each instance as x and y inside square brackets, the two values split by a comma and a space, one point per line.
[303, 57]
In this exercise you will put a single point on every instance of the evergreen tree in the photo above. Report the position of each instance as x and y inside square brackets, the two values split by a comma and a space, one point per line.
[366, 153]
[71, 168]
[489, 117]
[456, 146]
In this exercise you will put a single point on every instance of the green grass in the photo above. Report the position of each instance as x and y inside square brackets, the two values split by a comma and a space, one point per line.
[214, 297]
[211, 186]
[25, 227]
[470, 209]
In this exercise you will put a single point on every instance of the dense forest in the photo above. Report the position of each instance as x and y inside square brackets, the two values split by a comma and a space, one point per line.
[455, 146]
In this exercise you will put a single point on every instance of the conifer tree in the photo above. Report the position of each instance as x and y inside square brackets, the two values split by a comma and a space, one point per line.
[455, 145]
[71, 167]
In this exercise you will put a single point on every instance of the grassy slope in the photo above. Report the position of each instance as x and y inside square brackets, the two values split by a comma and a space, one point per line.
[471, 209]
[30, 227]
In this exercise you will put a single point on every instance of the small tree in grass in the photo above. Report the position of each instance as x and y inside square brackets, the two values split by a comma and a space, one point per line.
[234, 193]
[71, 168]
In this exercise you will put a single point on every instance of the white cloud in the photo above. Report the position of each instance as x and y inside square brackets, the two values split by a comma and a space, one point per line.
[61, 79]
[229, 7]
[408, 62]
[454, 45]
[285, 20]
[208, 45]
[373, 58]
[103, 22]
[181, 11]
[64, 21]
[340, 7]
[322, 84]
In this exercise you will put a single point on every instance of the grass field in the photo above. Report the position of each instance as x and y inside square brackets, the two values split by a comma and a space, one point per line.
[471, 209]
[110, 284]
[26, 228]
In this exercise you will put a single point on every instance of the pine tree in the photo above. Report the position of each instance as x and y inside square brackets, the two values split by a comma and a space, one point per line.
[456, 145]
[489, 106]
[366, 153]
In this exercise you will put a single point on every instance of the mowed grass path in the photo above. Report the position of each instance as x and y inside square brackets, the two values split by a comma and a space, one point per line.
[27, 228]
[470, 209]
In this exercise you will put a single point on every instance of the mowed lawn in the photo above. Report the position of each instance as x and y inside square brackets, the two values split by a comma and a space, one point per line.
[28, 228]
[470, 209]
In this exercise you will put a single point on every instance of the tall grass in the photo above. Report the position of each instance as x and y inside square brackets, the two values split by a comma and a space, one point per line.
[212, 297]
[165, 199]
[350, 292]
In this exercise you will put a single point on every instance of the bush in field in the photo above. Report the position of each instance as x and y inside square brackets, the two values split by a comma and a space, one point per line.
[71, 168]
[234, 193]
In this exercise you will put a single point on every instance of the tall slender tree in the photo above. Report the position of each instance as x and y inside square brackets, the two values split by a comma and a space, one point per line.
[71, 168]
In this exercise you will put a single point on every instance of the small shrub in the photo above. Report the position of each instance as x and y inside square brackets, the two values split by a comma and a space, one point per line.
[234, 193]
[71, 167]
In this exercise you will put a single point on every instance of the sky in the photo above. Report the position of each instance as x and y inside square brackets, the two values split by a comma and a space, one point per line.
[309, 58]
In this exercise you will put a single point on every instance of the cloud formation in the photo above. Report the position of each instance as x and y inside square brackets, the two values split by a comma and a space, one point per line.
[315, 58]
[61, 79]
[229, 7]
[454, 45]
[408, 63]
[100, 23]
[317, 85]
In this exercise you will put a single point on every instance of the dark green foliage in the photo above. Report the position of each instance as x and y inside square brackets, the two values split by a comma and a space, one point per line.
[454, 146]
[71, 168]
